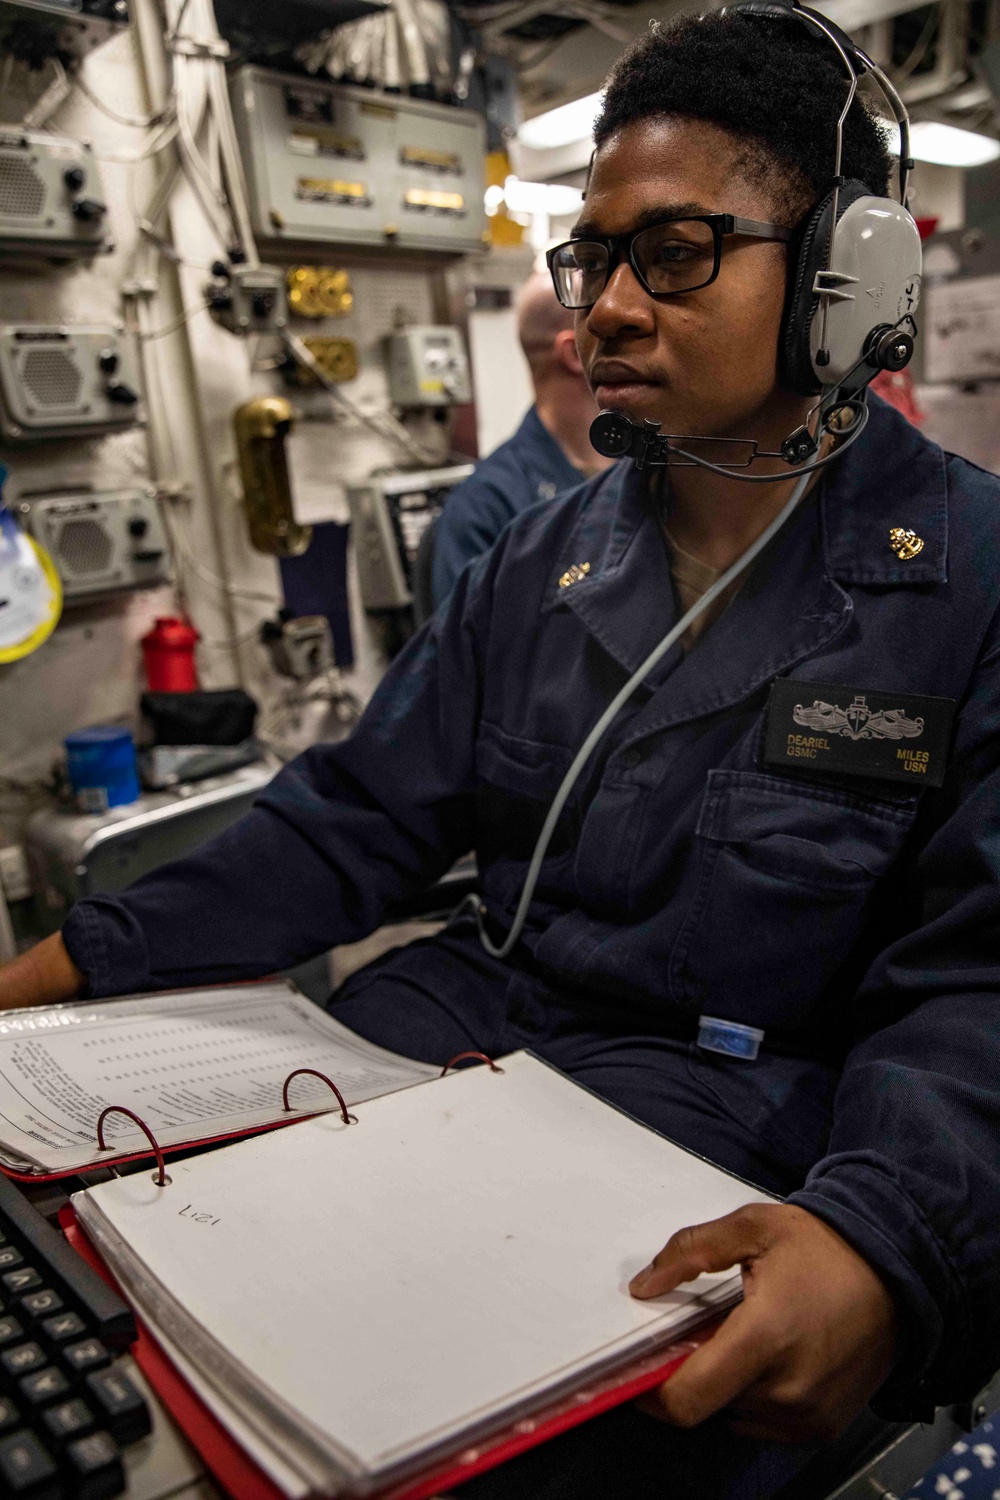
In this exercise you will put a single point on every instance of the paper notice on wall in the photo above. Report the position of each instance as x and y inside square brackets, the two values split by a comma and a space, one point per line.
[962, 330]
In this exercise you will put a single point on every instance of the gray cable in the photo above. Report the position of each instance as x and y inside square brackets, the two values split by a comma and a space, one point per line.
[610, 713]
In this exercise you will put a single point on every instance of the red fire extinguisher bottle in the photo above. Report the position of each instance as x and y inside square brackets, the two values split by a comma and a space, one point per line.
[169, 653]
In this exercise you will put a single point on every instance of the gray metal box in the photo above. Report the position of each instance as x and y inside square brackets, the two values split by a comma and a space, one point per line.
[50, 197]
[73, 854]
[389, 516]
[341, 165]
[65, 381]
[428, 366]
[100, 541]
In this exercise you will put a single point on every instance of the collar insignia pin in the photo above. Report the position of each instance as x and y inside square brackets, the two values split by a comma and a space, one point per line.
[580, 570]
[905, 544]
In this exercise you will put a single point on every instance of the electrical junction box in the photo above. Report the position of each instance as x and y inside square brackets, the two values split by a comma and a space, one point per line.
[249, 299]
[389, 516]
[51, 202]
[348, 166]
[102, 542]
[65, 381]
[428, 366]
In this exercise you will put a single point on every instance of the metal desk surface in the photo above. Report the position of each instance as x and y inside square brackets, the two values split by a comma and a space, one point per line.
[164, 1466]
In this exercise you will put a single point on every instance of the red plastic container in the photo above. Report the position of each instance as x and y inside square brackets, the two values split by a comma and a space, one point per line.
[169, 652]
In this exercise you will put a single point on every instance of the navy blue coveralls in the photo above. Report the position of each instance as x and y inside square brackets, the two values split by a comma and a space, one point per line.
[856, 922]
[528, 467]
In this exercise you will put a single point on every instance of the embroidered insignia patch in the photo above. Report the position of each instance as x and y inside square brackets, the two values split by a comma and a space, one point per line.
[887, 736]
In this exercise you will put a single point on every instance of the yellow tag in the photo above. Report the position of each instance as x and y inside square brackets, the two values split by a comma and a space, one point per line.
[434, 199]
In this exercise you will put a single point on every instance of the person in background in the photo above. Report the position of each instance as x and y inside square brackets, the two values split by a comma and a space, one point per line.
[549, 452]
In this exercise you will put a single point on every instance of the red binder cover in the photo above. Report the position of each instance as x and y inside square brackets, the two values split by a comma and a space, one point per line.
[240, 1476]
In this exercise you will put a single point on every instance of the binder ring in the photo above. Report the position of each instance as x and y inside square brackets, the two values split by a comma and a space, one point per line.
[347, 1119]
[160, 1176]
[480, 1056]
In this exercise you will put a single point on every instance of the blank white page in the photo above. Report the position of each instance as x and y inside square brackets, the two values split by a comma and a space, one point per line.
[465, 1246]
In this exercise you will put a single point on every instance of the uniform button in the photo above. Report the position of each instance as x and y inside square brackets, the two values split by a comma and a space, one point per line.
[633, 758]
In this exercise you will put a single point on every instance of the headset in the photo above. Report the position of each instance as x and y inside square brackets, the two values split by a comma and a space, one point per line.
[854, 284]
[853, 287]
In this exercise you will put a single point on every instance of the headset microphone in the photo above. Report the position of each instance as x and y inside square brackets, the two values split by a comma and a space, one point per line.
[842, 413]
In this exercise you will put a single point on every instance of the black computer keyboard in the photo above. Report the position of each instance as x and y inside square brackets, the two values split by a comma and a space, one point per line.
[66, 1407]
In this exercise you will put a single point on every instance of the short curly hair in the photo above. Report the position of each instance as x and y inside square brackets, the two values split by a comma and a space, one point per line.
[771, 84]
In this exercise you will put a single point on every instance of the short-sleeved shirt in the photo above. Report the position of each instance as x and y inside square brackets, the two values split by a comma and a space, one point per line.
[528, 468]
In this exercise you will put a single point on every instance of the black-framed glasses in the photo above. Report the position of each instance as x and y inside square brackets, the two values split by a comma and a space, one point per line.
[676, 255]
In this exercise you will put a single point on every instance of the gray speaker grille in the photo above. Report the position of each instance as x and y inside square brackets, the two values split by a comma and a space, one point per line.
[22, 191]
[52, 377]
[84, 547]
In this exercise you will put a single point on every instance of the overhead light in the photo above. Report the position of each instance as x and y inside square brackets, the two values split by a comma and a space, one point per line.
[562, 126]
[948, 146]
[525, 199]
[552, 198]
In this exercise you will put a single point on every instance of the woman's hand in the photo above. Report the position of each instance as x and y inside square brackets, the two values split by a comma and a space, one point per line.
[811, 1342]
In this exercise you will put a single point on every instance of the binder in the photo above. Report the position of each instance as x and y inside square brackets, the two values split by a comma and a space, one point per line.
[282, 1327]
[238, 1475]
[200, 1067]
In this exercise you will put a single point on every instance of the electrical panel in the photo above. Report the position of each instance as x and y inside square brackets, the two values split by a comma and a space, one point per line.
[428, 367]
[343, 165]
[65, 381]
[248, 299]
[102, 542]
[50, 197]
[389, 516]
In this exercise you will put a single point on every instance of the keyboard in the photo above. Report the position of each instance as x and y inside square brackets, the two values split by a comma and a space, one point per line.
[67, 1408]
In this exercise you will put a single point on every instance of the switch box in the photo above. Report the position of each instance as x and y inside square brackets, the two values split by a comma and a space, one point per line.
[249, 299]
[65, 381]
[428, 366]
[341, 165]
[102, 542]
[51, 202]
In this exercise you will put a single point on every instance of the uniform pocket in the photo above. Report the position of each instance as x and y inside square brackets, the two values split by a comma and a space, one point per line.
[787, 871]
[516, 782]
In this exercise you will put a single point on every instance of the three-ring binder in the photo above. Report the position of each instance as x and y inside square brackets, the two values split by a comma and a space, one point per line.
[160, 1175]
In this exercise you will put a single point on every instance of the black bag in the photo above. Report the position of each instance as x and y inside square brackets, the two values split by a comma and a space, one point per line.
[224, 716]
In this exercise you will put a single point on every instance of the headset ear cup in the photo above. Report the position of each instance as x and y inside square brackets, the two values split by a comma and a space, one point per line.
[807, 256]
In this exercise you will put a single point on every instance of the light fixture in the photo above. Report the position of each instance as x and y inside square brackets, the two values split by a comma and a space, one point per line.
[948, 146]
[523, 200]
[552, 198]
[561, 126]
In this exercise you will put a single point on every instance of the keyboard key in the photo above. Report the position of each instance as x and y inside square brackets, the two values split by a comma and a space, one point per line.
[39, 1305]
[9, 1415]
[10, 1257]
[10, 1331]
[96, 1463]
[88, 1354]
[64, 1326]
[68, 1420]
[123, 1411]
[42, 1387]
[23, 1280]
[110, 1318]
[25, 1468]
[22, 1359]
